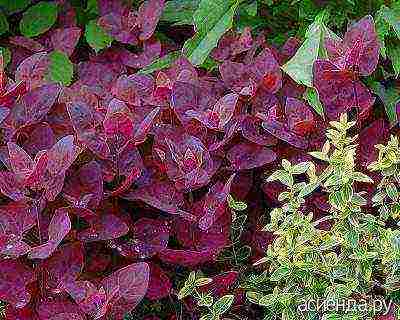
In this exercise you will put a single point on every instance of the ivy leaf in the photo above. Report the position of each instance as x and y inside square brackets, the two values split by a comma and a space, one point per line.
[392, 18]
[223, 304]
[390, 98]
[38, 19]
[13, 6]
[312, 97]
[61, 69]
[161, 63]
[4, 26]
[212, 19]
[300, 67]
[96, 37]
[180, 12]
[393, 52]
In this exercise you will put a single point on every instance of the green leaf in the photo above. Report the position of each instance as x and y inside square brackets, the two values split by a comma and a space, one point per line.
[96, 37]
[13, 6]
[300, 168]
[392, 17]
[361, 177]
[300, 67]
[212, 19]
[390, 97]
[223, 304]
[393, 52]
[61, 69]
[185, 291]
[251, 9]
[312, 97]
[180, 12]
[38, 19]
[6, 55]
[236, 205]
[280, 273]
[391, 191]
[202, 282]
[4, 26]
[161, 63]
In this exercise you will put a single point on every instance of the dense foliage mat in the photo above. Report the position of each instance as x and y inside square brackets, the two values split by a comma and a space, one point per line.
[199, 159]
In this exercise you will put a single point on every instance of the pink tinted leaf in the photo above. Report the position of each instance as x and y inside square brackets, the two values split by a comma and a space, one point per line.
[299, 116]
[120, 27]
[248, 156]
[225, 107]
[62, 155]
[105, 227]
[149, 14]
[21, 163]
[145, 126]
[150, 237]
[215, 203]
[34, 106]
[131, 282]
[159, 285]
[87, 181]
[14, 278]
[377, 132]
[129, 180]
[161, 195]
[187, 258]
[64, 266]
[65, 39]
[41, 138]
[252, 131]
[28, 43]
[33, 70]
[362, 46]
[11, 187]
[151, 51]
[59, 227]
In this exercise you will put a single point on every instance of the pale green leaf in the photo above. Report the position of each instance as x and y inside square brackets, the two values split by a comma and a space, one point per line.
[61, 69]
[161, 63]
[280, 273]
[38, 19]
[312, 97]
[212, 19]
[96, 37]
[180, 12]
[300, 67]
[223, 304]
[393, 52]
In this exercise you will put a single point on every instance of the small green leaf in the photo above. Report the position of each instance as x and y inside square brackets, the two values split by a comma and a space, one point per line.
[391, 191]
[4, 26]
[251, 9]
[361, 177]
[212, 19]
[161, 63]
[223, 304]
[236, 205]
[6, 55]
[38, 19]
[180, 12]
[185, 291]
[280, 273]
[392, 17]
[312, 97]
[61, 69]
[202, 282]
[300, 168]
[97, 38]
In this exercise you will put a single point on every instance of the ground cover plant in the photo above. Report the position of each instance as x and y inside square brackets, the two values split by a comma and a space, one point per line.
[199, 159]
